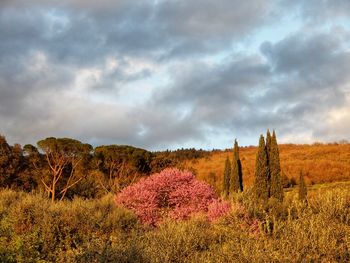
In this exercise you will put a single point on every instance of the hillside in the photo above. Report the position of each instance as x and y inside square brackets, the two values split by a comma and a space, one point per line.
[321, 162]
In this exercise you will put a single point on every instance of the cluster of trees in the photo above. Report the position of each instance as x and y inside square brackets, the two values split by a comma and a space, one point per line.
[182, 154]
[233, 178]
[268, 183]
[64, 167]
[268, 180]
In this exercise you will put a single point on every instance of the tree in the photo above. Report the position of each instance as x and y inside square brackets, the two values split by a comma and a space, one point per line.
[171, 194]
[120, 165]
[302, 188]
[268, 150]
[35, 163]
[261, 182]
[268, 144]
[10, 161]
[227, 175]
[276, 187]
[62, 156]
[236, 181]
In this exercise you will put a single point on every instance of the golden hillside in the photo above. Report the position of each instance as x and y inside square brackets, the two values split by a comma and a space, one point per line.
[321, 163]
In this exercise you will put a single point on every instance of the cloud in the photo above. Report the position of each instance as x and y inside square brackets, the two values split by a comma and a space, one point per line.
[326, 9]
[291, 88]
[168, 73]
[82, 32]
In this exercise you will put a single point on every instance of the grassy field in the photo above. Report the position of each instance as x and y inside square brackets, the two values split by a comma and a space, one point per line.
[321, 163]
[32, 229]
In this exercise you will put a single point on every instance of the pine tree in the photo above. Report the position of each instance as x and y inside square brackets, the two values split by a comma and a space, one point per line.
[276, 188]
[302, 188]
[236, 181]
[261, 183]
[227, 174]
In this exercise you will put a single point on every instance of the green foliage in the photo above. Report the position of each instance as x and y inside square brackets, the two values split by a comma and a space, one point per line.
[110, 157]
[65, 167]
[63, 156]
[236, 181]
[182, 154]
[227, 175]
[120, 165]
[261, 183]
[276, 187]
[32, 229]
[268, 179]
[161, 162]
[268, 144]
[10, 161]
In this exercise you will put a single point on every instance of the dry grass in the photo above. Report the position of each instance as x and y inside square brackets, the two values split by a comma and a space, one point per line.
[321, 163]
[34, 230]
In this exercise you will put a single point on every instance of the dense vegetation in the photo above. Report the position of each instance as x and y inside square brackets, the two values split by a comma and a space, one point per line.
[64, 167]
[110, 168]
[32, 229]
[65, 201]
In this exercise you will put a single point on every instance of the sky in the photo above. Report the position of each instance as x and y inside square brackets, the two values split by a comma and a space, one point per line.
[166, 74]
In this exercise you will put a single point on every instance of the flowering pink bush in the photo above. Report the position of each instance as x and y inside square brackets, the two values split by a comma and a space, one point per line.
[247, 222]
[217, 209]
[171, 193]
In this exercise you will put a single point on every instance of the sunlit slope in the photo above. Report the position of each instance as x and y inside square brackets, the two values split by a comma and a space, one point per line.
[321, 163]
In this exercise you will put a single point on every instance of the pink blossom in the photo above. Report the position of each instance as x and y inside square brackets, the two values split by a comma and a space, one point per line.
[171, 193]
[217, 209]
[247, 222]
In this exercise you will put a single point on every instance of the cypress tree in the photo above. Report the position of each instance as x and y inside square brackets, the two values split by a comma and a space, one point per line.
[261, 183]
[227, 174]
[302, 188]
[268, 149]
[268, 144]
[276, 188]
[236, 182]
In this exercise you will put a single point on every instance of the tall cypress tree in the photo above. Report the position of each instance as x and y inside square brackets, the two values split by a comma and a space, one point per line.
[268, 144]
[227, 175]
[268, 149]
[261, 183]
[236, 182]
[276, 188]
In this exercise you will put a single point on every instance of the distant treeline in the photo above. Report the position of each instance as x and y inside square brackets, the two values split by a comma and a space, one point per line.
[64, 167]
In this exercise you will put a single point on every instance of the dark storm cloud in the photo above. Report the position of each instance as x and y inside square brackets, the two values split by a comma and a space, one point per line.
[317, 64]
[85, 32]
[292, 88]
[44, 44]
[62, 63]
[309, 80]
[213, 92]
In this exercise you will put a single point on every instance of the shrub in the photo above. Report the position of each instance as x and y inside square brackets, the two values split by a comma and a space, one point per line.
[172, 193]
[217, 209]
[179, 241]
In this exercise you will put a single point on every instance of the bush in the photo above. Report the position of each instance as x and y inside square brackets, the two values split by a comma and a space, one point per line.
[170, 194]
[32, 229]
